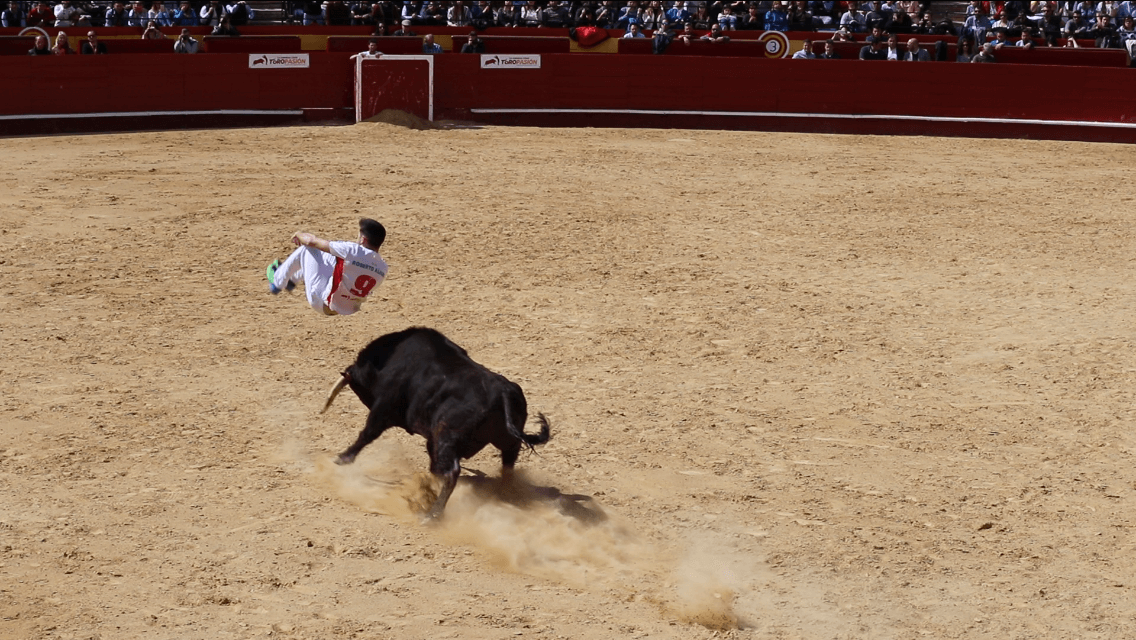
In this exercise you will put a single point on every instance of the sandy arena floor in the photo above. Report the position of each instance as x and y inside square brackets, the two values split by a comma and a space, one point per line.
[800, 386]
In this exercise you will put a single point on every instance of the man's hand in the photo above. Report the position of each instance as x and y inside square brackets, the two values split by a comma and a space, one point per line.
[310, 240]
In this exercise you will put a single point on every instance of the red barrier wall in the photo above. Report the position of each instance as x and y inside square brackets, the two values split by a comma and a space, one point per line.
[164, 83]
[707, 91]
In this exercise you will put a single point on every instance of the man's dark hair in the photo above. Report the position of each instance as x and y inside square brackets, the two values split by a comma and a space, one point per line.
[373, 231]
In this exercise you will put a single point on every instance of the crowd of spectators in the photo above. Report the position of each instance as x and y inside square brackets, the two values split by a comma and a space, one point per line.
[143, 14]
[998, 24]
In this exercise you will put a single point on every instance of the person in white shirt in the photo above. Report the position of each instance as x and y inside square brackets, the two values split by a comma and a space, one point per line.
[806, 52]
[337, 275]
[372, 51]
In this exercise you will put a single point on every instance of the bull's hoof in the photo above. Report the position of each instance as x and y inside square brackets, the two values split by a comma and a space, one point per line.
[344, 458]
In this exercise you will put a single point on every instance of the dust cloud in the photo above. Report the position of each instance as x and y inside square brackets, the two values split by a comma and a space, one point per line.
[529, 527]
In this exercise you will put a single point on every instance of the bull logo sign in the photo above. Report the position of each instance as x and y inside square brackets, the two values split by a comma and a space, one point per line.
[530, 61]
[278, 61]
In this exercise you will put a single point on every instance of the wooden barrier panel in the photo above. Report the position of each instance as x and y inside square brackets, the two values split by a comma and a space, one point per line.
[390, 45]
[846, 87]
[251, 44]
[160, 83]
[16, 45]
[517, 44]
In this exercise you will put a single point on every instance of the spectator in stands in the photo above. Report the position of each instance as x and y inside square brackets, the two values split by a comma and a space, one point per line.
[376, 14]
[830, 51]
[429, 46]
[67, 15]
[1104, 34]
[799, 17]
[653, 16]
[337, 14]
[986, 54]
[1050, 26]
[874, 50]
[606, 15]
[702, 18]
[843, 35]
[634, 32]
[312, 13]
[776, 19]
[1077, 27]
[152, 32]
[893, 50]
[115, 15]
[688, 34]
[716, 35]
[474, 44]
[40, 48]
[753, 20]
[240, 13]
[10, 16]
[225, 28]
[458, 15]
[433, 13]
[529, 16]
[1001, 22]
[678, 14]
[40, 15]
[158, 14]
[853, 19]
[900, 22]
[873, 17]
[555, 16]
[92, 46]
[977, 24]
[186, 43]
[999, 40]
[185, 16]
[405, 30]
[915, 52]
[62, 45]
[136, 17]
[1127, 35]
[965, 50]
[212, 13]
[632, 13]
[806, 52]
[727, 19]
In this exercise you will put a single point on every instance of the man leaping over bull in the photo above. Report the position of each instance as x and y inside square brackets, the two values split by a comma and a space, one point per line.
[337, 275]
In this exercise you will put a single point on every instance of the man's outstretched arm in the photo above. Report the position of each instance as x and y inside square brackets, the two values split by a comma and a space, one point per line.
[310, 240]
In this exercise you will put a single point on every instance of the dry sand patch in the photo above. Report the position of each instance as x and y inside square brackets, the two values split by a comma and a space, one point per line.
[800, 386]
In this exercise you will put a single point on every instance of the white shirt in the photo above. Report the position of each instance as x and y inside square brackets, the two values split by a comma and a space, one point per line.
[358, 270]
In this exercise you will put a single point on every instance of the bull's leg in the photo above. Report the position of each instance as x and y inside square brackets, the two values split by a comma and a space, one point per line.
[509, 458]
[445, 466]
[376, 425]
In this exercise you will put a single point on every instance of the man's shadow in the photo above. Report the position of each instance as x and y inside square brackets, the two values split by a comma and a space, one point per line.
[515, 490]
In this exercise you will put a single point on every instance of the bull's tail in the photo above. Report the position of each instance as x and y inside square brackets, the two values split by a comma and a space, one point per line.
[334, 392]
[530, 440]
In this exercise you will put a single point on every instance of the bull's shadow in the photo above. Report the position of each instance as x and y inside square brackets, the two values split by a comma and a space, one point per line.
[520, 493]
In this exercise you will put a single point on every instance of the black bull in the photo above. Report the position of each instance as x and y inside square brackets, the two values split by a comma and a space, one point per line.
[418, 380]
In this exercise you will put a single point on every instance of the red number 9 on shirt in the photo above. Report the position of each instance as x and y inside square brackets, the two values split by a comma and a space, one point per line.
[363, 285]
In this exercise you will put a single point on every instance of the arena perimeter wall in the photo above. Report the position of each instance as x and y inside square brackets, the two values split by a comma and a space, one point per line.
[80, 93]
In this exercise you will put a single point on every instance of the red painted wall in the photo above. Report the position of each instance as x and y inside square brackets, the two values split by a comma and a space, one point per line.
[596, 81]
[170, 82]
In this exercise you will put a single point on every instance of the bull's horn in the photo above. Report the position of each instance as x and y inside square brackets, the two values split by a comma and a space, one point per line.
[334, 392]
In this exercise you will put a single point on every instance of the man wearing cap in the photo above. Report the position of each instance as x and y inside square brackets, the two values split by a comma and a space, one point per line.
[337, 275]
[405, 30]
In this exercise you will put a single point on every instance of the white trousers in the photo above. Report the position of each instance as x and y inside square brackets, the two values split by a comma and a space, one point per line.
[312, 267]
